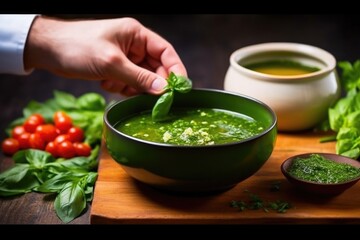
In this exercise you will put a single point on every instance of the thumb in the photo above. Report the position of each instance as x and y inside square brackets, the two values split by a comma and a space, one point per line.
[145, 80]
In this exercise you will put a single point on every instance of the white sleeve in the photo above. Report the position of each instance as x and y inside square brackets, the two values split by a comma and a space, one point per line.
[13, 33]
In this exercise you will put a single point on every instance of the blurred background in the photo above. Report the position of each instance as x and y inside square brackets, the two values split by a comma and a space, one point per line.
[204, 42]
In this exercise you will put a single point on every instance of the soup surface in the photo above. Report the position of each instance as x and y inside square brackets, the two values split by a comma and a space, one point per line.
[281, 67]
[204, 126]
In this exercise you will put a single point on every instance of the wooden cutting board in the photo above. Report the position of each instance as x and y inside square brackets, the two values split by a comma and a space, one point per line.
[120, 199]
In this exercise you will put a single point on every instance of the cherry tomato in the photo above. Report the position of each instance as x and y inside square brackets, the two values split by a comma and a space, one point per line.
[17, 131]
[52, 149]
[66, 149]
[62, 121]
[10, 146]
[76, 134]
[61, 138]
[24, 140]
[47, 132]
[30, 125]
[82, 149]
[36, 141]
[37, 117]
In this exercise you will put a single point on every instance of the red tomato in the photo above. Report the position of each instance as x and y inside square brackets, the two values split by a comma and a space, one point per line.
[52, 149]
[82, 149]
[30, 125]
[17, 131]
[62, 121]
[24, 140]
[76, 134]
[66, 149]
[61, 138]
[10, 146]
[36, 141]
[37, 117]
[47, 132]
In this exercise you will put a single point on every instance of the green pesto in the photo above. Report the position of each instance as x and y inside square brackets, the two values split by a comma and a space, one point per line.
[195, 127]
[318, 169]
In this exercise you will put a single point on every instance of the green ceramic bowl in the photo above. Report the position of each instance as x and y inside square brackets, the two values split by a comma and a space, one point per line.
[191, 168]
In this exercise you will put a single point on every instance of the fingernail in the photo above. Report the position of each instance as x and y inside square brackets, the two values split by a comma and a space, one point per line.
[158, 84]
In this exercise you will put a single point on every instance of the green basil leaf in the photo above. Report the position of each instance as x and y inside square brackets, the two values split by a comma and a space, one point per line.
[162, 106]
[89, 186]
[91, 101]
[172, 79]
[35, 107]
[17, 180]
[58, 182]
[183, 84]
[36, 158]
[65, 100]
[70, 202]
[14, 174]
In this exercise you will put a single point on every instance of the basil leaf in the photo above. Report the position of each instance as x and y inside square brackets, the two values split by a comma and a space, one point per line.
[36, 158]
[14, 174]
[70, 202]
[91, 101]
[182, 84]
[162, 106]
[35, 107]
[17, 180]
[65, 100]
[172, 79]
[57, 183]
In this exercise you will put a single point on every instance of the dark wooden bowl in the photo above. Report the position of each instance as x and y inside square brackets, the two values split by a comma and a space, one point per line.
[321, 188]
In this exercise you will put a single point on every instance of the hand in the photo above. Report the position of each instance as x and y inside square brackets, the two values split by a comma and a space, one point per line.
[127, 57]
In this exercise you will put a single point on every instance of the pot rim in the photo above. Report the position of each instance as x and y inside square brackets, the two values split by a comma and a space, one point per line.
[297, 48]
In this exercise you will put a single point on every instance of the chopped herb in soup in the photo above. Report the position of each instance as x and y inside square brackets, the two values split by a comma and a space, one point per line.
[195, 127]
[281, 67]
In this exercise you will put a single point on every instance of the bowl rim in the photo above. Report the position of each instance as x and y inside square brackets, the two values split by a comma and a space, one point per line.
[267, 107]
[324, 154]
[312, 51]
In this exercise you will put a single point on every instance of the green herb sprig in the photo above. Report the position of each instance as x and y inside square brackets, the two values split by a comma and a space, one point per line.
[344, 116]
[162, 107]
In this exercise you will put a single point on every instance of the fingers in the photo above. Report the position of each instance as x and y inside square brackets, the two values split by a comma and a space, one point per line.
[164, 53]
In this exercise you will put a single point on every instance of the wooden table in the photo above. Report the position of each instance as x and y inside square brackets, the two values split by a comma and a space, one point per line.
[120, 199]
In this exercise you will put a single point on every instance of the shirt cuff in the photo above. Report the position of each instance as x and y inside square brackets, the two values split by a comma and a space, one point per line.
[14, 30]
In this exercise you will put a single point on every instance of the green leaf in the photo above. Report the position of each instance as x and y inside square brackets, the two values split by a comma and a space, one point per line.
[70, 202]
[65, 100]
[36, 158]
[91, 101]
[183, 84]
[162, 107]
[14, 174]
[35, 107]
[17, 180]
[57, 183]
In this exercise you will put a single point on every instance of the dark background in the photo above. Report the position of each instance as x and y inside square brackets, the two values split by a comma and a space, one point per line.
[204, 42]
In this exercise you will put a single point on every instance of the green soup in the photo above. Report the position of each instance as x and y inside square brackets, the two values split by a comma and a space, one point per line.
[204, 126]
[281, 67]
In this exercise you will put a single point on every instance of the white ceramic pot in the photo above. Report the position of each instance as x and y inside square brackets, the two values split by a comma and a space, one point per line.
[299, 101]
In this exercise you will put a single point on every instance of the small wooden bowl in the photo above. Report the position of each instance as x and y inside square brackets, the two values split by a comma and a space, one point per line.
[321, 188]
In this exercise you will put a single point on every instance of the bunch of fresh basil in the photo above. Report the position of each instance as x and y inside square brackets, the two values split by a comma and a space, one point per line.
[71, 179]
[162, 106]
[344, 117]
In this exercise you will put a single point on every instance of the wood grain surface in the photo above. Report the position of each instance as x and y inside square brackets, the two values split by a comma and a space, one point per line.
[120, 199]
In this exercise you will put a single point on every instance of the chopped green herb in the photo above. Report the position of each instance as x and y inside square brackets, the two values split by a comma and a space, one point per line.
[256, 203]
[317, 168]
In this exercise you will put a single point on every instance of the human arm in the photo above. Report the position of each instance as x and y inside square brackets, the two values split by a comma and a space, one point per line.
[124, 55]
